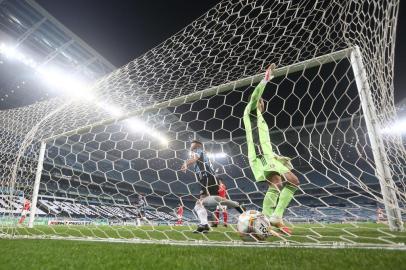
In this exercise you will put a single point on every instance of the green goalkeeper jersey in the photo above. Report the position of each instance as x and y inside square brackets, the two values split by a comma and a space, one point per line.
[260, 155]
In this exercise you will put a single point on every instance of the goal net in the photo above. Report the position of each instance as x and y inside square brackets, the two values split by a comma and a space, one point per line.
[105, 163]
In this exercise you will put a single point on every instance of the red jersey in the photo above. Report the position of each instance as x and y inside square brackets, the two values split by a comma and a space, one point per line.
[26, 205]
[222, 191]
[180, 211]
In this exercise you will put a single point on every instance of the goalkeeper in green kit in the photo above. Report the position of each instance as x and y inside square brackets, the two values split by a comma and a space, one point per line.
[265, 164]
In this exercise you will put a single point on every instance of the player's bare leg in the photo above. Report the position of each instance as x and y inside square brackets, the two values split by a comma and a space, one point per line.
[223, 209]
[21, 220]
[217, 216]
[179, 221]
[225, 216]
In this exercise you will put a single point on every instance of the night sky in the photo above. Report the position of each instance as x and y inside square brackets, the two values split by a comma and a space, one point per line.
[123, 30]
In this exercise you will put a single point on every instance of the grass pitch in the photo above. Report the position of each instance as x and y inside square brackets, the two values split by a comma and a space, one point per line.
[323, 234]
[61, 254]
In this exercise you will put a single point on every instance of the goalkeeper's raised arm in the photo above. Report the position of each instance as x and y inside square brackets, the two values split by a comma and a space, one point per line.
[256, 101]
[256, 129]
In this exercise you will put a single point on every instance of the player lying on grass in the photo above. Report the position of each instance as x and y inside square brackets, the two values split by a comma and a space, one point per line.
[209, 185]
[265, 164]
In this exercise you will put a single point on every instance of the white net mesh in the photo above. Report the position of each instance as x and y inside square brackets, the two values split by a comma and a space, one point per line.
[112, 157]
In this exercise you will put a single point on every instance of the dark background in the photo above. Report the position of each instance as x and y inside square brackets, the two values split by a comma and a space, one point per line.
[123, 30]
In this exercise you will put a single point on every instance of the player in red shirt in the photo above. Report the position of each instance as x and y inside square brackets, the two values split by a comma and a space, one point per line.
[222, 192]
[180, 214]
[26, 210]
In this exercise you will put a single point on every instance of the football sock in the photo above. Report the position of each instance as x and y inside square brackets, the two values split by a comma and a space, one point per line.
[201, 213]
[284, 199]
[270, 201]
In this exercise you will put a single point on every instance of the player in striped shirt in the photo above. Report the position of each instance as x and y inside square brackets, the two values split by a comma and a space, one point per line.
[202, 167]
[209, 186]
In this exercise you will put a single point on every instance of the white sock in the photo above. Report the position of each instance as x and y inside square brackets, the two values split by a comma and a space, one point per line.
[201, 214]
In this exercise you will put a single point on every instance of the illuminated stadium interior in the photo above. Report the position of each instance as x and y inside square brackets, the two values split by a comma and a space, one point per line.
[113, 163]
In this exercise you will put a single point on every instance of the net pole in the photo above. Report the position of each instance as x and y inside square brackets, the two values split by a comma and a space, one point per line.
[36, 185]
[382, 169]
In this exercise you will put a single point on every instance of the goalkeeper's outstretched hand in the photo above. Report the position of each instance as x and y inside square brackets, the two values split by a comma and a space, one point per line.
[269, 72]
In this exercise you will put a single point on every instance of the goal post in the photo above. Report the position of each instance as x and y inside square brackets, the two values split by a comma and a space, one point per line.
[382, 169]
[37, 181]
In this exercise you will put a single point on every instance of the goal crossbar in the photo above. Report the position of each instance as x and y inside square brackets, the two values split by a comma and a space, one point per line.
[282, 71]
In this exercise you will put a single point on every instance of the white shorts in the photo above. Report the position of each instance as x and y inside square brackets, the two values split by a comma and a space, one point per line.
[180, 216]
[222, 207]
[24, 212]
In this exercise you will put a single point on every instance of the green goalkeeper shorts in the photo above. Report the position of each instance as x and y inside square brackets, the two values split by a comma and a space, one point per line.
[261, 168]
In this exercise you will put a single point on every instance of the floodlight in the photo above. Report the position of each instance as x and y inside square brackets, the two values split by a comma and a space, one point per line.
[399, 127]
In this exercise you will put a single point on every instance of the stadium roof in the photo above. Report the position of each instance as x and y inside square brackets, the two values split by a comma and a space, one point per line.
[25, 25]
[31, 27]
[35, 33]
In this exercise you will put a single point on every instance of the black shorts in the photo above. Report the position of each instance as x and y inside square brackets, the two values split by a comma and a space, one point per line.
[209, 185]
